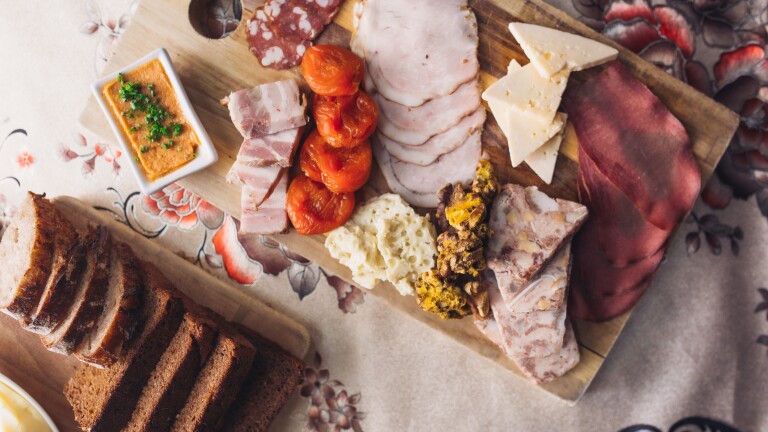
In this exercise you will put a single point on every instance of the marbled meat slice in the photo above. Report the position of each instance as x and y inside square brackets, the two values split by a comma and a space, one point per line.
[439, 145]
[270, 217]
[267, 108]
[539, 368]
[417, 51]
[636, 143]
[622, 232]
[270, 150]
[416, 125]
[384, 160]
[280, 31]
[458, 166]
[258, 180]
[527, 229]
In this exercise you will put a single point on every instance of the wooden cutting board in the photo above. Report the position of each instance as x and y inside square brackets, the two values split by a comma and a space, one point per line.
[43, 374]
[210, 69]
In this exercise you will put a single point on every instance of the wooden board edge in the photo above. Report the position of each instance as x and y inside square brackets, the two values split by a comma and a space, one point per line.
[271, 324]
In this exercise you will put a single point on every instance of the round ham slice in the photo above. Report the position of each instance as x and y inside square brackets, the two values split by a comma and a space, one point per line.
[416, 125]
[456, 166]
[426, 200]
[427, 153]
[417, 51]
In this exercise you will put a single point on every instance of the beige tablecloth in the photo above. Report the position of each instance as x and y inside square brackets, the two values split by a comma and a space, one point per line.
[694, 354]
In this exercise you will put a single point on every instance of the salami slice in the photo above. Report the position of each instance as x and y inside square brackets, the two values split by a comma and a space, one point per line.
[281, 30]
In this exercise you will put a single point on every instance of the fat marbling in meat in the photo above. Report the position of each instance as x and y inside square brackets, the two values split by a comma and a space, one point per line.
[275, 149]
[269, 216]
[267, 108]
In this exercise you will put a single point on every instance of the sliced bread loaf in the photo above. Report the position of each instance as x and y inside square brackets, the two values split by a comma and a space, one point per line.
[26, 252]
[172, 380]
[89, 297]
[274, 377]
[121, 310]
[217, 384]
[59, 293]
[104, 399]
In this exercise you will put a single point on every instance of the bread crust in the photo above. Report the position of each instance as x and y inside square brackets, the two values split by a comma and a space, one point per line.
[123, 325]
[27, 294]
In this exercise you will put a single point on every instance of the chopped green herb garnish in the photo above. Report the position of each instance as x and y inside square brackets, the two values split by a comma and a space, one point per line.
[144, 149]
[133, 129]
[136, 158]
[155, 115]
[176, 129]
[120, 78]
[168, 145]
[194, 155]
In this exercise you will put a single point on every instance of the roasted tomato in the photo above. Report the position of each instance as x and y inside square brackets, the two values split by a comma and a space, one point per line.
[341, 169]
[314, 209]
[345, 121]
[331, 70]
[308, 158]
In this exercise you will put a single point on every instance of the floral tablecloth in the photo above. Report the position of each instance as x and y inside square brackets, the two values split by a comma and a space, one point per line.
[693, 357]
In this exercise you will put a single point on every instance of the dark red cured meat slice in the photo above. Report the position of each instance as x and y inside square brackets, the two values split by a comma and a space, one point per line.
[585, 306]
[624, 235]
[281, 30]
[272, 50]
[636, 143]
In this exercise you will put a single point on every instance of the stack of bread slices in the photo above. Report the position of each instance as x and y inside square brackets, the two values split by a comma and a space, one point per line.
[153, 360]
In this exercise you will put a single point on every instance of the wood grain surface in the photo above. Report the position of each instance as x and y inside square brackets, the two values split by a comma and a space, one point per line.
[210, 69]
[43, 373]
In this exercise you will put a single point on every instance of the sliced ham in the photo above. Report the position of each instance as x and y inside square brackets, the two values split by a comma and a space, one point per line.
[636, 143]
[270, 217]
[383, 159]
[528, 228]
[267, 108]
[458, 166]
[446, 142]
[269, 150]
[259, 180]
[623, 234]
[416, 125]
[417, 51]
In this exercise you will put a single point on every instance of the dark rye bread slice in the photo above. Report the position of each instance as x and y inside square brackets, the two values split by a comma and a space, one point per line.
[103, 345]
[59, 293]
[274, 377]
[217, 384]
[88, 302]
[172, 380]
[104, 399]
[26, 254]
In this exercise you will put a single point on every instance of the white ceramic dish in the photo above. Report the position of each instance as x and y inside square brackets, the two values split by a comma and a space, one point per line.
[206, 154]
[15, 387]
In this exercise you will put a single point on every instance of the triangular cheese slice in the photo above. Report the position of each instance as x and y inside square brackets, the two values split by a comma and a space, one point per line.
[543, 160]
[524, 135]
[525, 90]
[552, 51]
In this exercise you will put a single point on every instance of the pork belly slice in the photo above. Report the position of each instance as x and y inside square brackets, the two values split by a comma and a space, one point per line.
[621, 230]
[59, 294]
[118, 320]
[538, 364]
[416, 125]
[435, 53]
[437, 146]
[269, 217]
[384, 160]
[636, 143]
[270, 150]
[259, 181]
[527, 229]
[26, 251]
[457, 166]
[267, 109]
[89, 298]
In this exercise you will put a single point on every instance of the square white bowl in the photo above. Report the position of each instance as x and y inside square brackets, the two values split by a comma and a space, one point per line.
[206, 154]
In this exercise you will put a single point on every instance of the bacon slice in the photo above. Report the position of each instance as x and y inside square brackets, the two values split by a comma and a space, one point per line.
[528, 228]
[636, 143]
[276, 149]
[267, 109]
[417, 51]
[259, 181]
[269, 216]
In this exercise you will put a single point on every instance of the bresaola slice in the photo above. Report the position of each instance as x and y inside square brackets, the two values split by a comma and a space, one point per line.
[636, 143]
